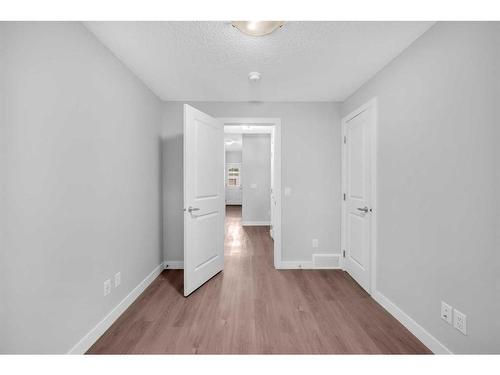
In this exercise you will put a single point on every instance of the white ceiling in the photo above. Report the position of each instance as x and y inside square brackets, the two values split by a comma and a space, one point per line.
[302, 61]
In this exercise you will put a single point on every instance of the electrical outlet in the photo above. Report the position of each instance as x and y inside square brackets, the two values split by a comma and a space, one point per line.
[118, 279]
[460, 321]
[288, 191]
[315, 243]
[446, 312]
[107, 287]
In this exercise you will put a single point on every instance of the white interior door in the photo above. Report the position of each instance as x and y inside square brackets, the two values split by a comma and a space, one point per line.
[203, 198]
[357, 199]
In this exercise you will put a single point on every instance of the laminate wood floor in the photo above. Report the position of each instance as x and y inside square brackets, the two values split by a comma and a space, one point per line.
[251, 307]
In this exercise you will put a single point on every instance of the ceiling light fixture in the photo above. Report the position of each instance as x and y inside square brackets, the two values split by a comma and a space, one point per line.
[257, 28]
[254, 76]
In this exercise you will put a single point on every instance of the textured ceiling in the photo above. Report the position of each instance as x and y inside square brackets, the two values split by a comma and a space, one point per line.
[210, 61]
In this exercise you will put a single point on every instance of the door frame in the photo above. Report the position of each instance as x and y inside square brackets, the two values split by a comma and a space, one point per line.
[276, 124]
[371, 104]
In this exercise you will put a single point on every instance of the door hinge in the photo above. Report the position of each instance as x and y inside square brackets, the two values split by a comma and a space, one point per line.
[345, 139]
[343, 253]
[344, 196]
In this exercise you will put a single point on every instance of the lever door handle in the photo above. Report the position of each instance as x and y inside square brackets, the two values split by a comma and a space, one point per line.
[364, 209]
[191, 209]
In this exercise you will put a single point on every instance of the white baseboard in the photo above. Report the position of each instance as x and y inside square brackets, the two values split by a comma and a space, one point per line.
[293, 265]
[255, 223]
[427, 339]
[173, 265]
[328, 261]
[90, 338]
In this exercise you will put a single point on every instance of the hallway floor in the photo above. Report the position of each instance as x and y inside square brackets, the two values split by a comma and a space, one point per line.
[251, 307]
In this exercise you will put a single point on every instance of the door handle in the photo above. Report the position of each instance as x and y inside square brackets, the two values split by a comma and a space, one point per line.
[364, 209]
[191, 209]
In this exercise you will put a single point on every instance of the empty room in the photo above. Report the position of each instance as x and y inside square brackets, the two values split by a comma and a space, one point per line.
[249, 187]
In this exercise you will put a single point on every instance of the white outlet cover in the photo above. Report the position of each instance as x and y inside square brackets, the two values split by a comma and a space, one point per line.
[460, 321]
[288, 191]
[118, 279]
[253, 186]
[446, 312]
[107, 287]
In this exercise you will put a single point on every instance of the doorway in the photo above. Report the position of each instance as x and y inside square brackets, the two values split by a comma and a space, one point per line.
[248, 151]
[358, 235]
[260, 194]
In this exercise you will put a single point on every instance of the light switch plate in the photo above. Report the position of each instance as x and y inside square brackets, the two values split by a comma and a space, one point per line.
[288, 191]
[315, 243]
[107, 287]
[446, 312]
[460, 321]
[118, 279]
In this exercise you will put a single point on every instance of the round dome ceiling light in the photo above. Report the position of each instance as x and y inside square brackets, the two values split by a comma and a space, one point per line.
[254, 76]
[257, 28]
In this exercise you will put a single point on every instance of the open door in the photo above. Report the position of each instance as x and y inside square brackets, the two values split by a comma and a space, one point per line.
[203, 198]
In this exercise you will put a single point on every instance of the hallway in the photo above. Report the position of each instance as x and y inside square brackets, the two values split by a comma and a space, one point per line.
[252, 308]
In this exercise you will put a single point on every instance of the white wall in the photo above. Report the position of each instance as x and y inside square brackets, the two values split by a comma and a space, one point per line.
[233, 156]
[438, 184]
[256, 207]
[80, 184]
[310, 167]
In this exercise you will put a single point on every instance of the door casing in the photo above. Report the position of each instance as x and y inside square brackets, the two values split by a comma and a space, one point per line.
[372, 105]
